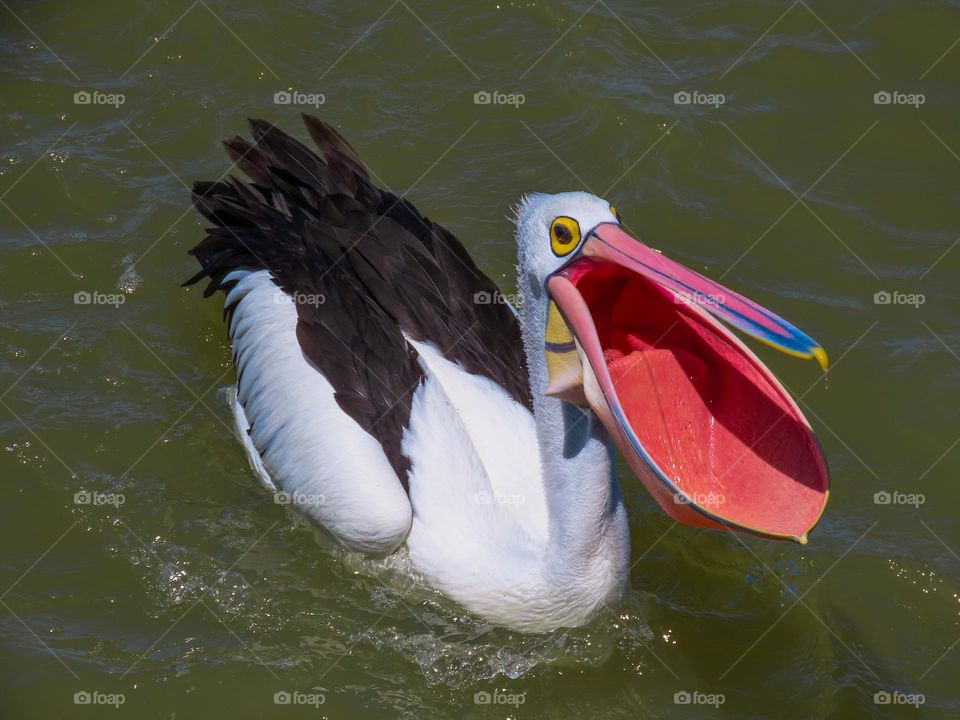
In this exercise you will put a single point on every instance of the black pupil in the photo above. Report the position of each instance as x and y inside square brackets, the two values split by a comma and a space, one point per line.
[563, 233]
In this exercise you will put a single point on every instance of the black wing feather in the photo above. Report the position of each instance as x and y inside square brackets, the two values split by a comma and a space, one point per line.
[323, 230]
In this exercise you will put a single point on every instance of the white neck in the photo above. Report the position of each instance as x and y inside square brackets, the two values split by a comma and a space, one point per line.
[587, 521]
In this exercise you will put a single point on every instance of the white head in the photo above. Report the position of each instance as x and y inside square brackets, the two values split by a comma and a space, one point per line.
[550, 228]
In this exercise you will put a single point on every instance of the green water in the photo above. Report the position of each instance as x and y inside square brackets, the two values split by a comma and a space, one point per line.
[199, 597]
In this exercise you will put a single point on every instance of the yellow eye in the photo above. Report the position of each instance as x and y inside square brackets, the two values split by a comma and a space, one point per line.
[613, 209]
[564, 235]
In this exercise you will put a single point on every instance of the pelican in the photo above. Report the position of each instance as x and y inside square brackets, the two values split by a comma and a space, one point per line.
[387, 389]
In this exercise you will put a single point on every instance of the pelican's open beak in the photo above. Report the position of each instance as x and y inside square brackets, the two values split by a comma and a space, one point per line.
[702, 421]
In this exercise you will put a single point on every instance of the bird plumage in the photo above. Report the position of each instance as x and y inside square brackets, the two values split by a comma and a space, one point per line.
[362, 267]
[386, 401]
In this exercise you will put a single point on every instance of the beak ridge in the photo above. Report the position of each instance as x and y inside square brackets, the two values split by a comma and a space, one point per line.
[610, 243]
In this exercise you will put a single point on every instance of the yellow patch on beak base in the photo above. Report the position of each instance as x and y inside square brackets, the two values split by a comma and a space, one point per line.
[564, 369]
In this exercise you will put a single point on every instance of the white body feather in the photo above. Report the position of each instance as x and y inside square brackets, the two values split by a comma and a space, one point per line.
[514, 514]
[300, 440]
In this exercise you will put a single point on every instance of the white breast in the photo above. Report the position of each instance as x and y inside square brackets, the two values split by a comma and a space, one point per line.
[480, 527]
